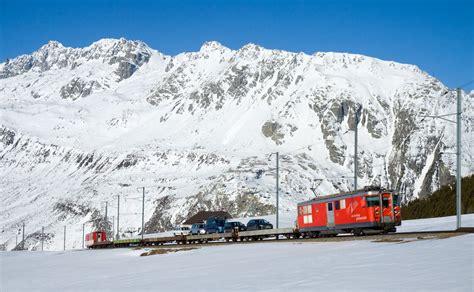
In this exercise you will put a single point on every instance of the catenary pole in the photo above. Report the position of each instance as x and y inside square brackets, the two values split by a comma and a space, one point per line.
[23, 238]
[83, 229]
[458, 151]
[42, 238]
[64, 246]
[118, 216]
[458, 159]
[143, 211]
[277, 187]
[356, 160]
[113, 226]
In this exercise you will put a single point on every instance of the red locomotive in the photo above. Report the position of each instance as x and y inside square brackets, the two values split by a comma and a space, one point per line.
[95, 237]
[359, 212]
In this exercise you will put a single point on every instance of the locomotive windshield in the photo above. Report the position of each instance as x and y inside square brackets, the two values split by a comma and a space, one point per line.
[396, 201]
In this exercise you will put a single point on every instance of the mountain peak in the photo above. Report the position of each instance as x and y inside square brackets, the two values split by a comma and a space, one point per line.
[212, 46]
[251, 47]
[130, 55]
[51, 45]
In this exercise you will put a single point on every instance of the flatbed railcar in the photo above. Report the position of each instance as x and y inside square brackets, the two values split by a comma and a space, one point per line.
[235, 236]
[370, 210]
[367, 211]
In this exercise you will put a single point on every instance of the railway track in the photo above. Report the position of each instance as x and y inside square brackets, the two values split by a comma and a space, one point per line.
[284, 235]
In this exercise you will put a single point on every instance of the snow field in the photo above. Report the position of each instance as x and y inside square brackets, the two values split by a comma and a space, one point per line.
[361, 265]
[444, 265]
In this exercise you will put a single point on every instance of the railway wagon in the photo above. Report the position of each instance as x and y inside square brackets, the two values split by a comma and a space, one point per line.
[371, 210]
[95, 237]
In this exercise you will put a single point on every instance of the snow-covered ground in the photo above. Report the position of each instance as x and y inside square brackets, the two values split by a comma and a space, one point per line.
[436, 264]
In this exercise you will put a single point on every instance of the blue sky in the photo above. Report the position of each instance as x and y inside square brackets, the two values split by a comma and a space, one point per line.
[436, 35]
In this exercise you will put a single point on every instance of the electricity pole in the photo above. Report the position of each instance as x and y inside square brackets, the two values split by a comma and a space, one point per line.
[118, 216]
[113, 226]
[83, 227]
[106, 203]
[42, 238]
[458, 151]
[458, 159]
[23, 238]
[356, 161]
[277, 187]
[64, 247]
[143, 210]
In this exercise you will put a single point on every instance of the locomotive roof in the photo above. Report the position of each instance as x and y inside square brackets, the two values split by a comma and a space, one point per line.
[348, 194]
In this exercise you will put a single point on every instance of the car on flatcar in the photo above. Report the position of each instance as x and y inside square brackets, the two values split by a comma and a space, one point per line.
[231, 226]
[370, 210]
[95, 237]
[198, 228]
[258, 224]
[181, 230]
[215, 225]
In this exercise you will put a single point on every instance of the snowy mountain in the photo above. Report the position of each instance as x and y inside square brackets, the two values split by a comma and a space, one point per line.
[80, 126]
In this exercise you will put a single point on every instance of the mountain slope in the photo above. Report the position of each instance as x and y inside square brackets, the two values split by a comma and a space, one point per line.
[80, 126]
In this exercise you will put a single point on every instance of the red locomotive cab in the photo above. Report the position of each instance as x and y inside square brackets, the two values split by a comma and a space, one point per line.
[95, 237]
[383, 208]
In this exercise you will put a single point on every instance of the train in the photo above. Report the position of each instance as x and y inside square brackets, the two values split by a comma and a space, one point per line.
[371, 210]
[361, 212]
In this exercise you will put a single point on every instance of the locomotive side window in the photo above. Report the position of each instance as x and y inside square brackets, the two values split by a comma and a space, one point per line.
[337, 205]
[372, 201]
[329, 206]
[343, 203]
[307, 209]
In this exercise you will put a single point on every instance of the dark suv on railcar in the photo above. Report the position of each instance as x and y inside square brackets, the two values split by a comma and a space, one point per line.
[258, 224]
[215, 225]
[230, 226]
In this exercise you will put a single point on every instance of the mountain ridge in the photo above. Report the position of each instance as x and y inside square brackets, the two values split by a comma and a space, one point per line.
[199, 128]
